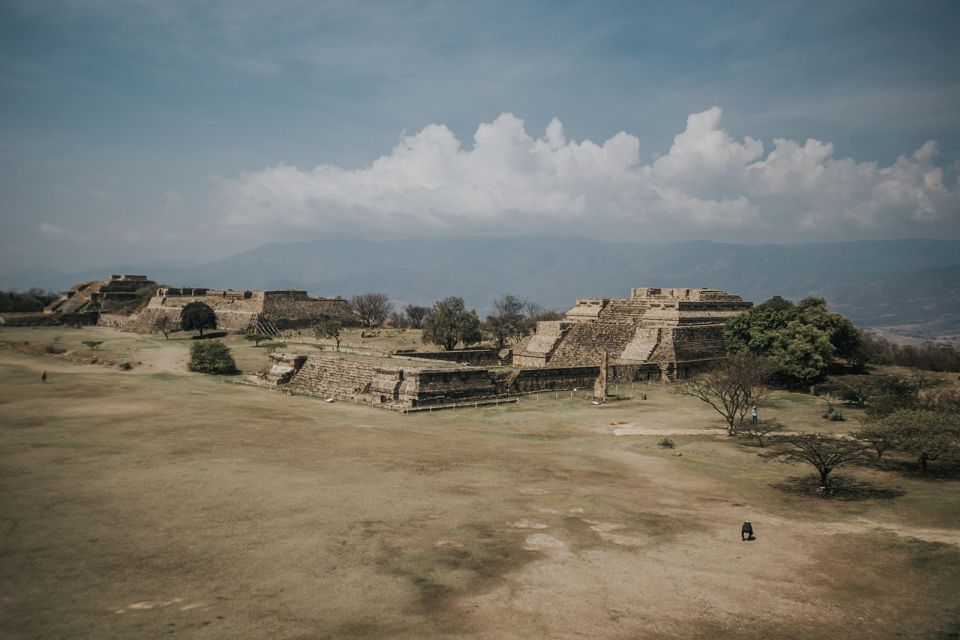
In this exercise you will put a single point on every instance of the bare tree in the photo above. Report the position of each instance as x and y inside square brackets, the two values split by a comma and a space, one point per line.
[371, 308]
[164, 325]
[761, 429]
[824, 451]
[398, 320]
[731, 388]
[508, 320]
[416, 314]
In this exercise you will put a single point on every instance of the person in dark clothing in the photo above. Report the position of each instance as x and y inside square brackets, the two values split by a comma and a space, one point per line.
[746, 531]
[43, 376]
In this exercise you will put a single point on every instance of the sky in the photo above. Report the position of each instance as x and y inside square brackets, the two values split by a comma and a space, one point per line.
[144, 132]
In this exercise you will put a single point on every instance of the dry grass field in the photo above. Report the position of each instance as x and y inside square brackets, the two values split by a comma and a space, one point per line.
[157, 503]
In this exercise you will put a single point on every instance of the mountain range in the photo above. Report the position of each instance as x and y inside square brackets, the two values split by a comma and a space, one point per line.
[909, 287]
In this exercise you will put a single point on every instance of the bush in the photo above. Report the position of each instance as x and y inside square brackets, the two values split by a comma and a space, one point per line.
[837, 416]
[666, 443]
[211, 357]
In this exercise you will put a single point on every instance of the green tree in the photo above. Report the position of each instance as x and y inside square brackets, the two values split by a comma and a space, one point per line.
[329, 329]
[197, 316]
[93, 344]
[802, 351]
[256, 338]
[877, 437]
[879, 394]
[845, 338]
[211, 357]
[449, 323]
[926, 434]
[802, 339]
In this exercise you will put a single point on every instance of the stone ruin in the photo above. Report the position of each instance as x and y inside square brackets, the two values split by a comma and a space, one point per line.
[679, 330]
[267, 312]
[84, 302]
[404, 382]
[108, 303]
[655, 334]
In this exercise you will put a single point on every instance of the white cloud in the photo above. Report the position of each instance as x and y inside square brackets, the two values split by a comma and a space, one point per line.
[52, 230]
[708, 185]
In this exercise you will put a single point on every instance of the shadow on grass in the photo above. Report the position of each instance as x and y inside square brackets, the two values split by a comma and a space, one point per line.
[841, 488]
[210, 336]
[948, 469]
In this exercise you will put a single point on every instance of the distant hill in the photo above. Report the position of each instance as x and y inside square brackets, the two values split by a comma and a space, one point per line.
[908, 284]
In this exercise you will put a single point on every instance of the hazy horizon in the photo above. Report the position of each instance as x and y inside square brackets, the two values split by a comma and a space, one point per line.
[139, 133]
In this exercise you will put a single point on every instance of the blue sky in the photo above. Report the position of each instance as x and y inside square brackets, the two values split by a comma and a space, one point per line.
[155, 130]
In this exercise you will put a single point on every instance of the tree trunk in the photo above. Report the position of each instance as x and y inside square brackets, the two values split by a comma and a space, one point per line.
[924, 458]
[824, 477]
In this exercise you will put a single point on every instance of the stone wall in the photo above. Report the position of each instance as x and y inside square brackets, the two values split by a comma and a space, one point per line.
[370, 380]
[552, 379]
[115, 320]
[290, 309]
[536, 350]
[586, 342]
[472, 357]
[240, 311]
[338, 376]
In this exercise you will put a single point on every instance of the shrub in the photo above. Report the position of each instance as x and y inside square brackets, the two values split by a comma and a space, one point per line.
[211, 357]
[666, 443]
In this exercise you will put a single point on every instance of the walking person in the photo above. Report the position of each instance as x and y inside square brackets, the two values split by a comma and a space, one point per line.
[753, 415]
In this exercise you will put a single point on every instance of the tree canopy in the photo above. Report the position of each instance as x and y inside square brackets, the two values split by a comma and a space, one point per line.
[415, 314]
[926, 434]
[329, 328]
[21, 301]
[371, 308]
[801, 338]
[211, 356]
[449, 323]
[508, 322]
[197, 316]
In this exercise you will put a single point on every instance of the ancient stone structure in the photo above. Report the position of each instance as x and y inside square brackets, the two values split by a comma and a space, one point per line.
[85, 301]
[681, 330]
[600, 386]
[401, 383]
[244, 311]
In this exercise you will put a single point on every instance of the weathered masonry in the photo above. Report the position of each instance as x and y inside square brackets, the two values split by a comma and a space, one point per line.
[86, 301]
[399, 383]
[680, 330]
[244, 311]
